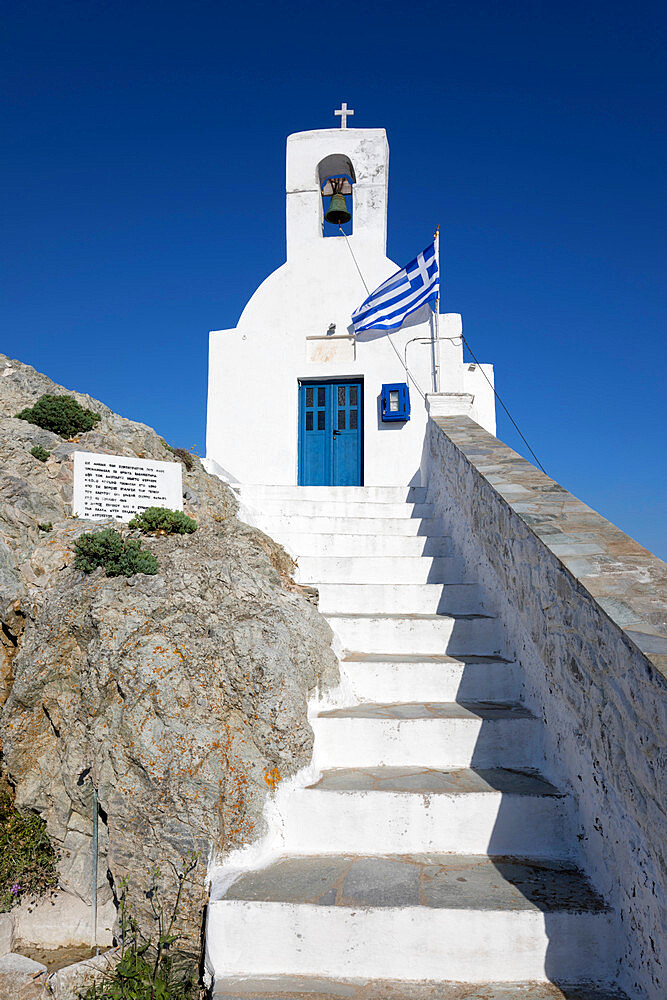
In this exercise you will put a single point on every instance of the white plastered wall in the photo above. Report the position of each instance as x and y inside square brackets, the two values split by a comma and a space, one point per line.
[254, 369]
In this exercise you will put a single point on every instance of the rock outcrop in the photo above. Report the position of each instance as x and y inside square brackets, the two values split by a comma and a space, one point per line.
[181, 697]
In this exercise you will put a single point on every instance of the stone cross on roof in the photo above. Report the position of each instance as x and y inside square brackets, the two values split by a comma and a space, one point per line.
[343, 112]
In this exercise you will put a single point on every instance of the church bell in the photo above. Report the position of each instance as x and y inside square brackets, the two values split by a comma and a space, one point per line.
[337, 212]
[337, 188]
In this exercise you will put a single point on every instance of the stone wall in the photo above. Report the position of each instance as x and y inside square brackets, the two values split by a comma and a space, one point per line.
[585, 611]
[183, 696]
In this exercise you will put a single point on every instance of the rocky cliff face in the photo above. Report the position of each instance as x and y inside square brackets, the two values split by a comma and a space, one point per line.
[181, 696]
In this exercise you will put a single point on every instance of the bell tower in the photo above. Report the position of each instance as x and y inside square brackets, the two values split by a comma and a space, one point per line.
[361, 156]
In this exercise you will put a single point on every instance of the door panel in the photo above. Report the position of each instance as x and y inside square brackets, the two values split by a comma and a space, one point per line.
[346, 435]
[330, 433]
[314, 433]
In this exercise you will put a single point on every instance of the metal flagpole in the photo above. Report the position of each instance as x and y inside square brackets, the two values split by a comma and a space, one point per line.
[436, 325]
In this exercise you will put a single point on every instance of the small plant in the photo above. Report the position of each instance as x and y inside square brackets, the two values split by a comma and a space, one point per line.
[27, 857]
[151, 969]
[61, 414]
[47, 526]
[109, 549]
[41, 454]
[186, 457]
[162, 521]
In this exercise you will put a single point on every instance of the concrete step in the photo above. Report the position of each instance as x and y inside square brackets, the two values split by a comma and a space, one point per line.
[316, 988]
[468, 918]
[419, 634]
[346, 545]
[351, 494]
[369, 509]
[444, 735]
[276, 525]
[378, 569]
[400, 598]
[385, 677]
[399, 810]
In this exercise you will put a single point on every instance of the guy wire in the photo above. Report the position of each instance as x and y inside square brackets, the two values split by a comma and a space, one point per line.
[396, 352]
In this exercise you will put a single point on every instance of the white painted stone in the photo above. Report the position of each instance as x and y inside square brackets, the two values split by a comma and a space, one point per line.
[356, 525]
[325, 350]
[378, 570]
[246, 938]
[441, 743]
[357, 494]
[388, 681]
[398, 598]
[116, 487]
[445, 404]
[413, 635]
[304, 544]
[372, 822]
[477, 401]
[380, 580]
[476, 379]
[343, 508]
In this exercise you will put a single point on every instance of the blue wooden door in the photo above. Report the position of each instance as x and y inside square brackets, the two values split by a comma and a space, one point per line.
[330, 433]
[346, 456]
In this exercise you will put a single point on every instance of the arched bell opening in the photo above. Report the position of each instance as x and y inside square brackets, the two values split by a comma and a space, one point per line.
[336, 179]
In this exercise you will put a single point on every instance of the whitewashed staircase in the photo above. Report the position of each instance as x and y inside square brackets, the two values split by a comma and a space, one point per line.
[429, 850]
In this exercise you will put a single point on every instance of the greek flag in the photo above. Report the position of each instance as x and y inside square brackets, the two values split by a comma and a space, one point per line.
[398, 296]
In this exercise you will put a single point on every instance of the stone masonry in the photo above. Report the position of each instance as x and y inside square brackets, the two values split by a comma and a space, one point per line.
[582, 607]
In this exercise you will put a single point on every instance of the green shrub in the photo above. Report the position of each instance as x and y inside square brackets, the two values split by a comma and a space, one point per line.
[108, 548]
[162, 521]
[27, 857]
[41, 454]
[47, 526]
[61, 414]
[151, 968]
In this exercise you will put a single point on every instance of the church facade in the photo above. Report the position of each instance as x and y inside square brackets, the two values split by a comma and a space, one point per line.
[345, 409]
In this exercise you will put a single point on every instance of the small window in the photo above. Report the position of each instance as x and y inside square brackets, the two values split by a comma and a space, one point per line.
[353, 420]
[320, 420]
[341, 420]
[353, 395]
[393, 401]
[309, 396]
[309, 420]
[341, 395]
[321, 396]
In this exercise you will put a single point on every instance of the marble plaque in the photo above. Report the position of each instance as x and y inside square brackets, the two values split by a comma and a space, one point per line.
[112, 486]
[331, 349]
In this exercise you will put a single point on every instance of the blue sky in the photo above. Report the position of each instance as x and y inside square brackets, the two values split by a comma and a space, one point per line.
[143, 180]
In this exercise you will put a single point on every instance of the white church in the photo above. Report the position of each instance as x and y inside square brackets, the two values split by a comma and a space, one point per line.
[326, 423]
[479, 816]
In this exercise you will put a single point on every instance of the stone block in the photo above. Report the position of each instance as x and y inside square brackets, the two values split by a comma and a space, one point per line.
[62, 920]
[21, 978]
[6, 932]
[69, 983]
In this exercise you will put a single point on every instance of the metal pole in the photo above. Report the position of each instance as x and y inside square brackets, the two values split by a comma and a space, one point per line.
[93, 932]
[434, 381]
[436, 387]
